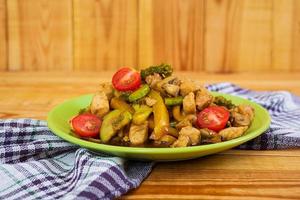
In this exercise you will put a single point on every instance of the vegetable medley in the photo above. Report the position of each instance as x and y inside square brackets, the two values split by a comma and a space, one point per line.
[154, 108]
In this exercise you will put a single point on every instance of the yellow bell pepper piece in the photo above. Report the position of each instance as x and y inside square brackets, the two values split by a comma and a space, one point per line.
[117, 103]
[161, 116]
[141, 114]
[177, 114]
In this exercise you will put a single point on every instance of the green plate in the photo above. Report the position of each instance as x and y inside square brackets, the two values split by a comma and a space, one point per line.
[58, 122]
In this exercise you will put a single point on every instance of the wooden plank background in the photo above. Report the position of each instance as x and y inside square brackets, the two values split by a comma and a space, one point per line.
[3, 35]
[105, 34]
[39, 34]
[196, 35]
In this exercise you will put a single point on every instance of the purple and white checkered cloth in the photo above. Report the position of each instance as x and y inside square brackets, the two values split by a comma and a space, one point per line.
[35, 164]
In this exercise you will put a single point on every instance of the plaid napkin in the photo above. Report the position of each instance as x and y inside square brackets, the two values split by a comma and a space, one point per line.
[35, 164]
[284, 109]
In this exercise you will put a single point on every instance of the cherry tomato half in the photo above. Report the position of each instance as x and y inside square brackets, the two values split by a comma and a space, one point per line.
[126, 79]
[213, 117]
[86, 125]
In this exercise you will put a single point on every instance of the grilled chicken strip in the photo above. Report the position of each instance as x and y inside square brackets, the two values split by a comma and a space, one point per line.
[188, 136]
[203, 98]
[100, 104]
[138, 134]
[242, 115]
[232, 132]
[189, 105]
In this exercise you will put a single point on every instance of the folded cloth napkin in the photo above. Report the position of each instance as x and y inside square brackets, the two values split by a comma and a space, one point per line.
[284, 108]
[35, 164]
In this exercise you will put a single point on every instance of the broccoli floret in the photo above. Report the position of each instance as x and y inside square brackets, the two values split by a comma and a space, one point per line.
[221, 101]
[84, 110]
[164, 70]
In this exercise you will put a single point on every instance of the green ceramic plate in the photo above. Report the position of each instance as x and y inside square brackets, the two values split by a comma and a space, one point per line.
[58, 122]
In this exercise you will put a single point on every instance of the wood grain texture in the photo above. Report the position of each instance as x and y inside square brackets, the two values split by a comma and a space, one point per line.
[282, 27]
[193, 35]
[3, 36]
[255, 39]
[105, 34]
[296, 37]
[221, 28]
[176, 33]
[39, 34]
[230, 175]
[251, 35]
[145, 43]
[238, 36]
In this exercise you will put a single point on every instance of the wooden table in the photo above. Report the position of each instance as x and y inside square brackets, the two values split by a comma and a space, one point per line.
[234, 174]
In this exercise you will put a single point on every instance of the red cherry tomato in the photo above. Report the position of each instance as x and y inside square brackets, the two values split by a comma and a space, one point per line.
[126, 79]
[86, 125]
[213, 117]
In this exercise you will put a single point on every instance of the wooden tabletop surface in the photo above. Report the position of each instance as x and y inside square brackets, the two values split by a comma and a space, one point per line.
[233, 174]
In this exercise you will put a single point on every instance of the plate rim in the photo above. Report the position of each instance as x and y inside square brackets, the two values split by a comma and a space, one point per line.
[157, 150]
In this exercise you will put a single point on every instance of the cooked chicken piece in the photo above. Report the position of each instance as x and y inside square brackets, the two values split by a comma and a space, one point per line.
[160, 84]
[247, 110]
[192, 133]
[188, 136]
[153, 79]
[138, 134]
[166, 140]
[100, 104]
[171, 89]
[189, 120]
[242, 115]
[188, 86]
[107, 88]
[189, 105]
[209, 136]
[175, 81]
[203, 98]
[232, 132]
[185, 122]
[149, 101]
[239, 119]
[207, 133]
[182, 141]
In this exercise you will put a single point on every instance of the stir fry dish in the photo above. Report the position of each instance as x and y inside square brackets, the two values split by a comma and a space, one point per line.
[154, 108]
